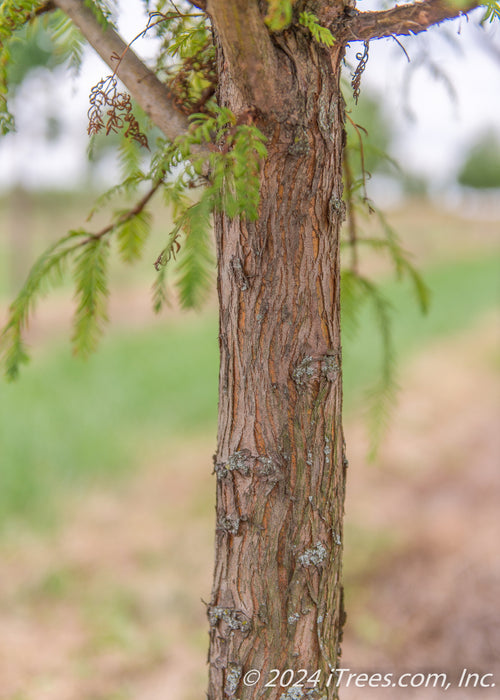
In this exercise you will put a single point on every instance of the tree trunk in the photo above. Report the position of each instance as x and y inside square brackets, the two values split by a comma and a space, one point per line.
[280, 466]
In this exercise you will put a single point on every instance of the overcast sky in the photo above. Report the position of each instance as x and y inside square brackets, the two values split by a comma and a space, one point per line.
[431, 128]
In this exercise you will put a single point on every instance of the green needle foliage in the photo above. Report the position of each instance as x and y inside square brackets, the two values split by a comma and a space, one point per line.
[91, 288]
[492, 10]
[194, 273]
[320, 34]
[132, 235]
[47, 272]
[48, 41]
[13, 16]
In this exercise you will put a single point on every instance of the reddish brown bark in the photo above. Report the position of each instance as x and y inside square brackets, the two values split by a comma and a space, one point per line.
[403, 19]
[276, 600]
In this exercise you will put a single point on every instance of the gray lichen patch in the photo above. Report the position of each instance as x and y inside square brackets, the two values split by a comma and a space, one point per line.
[303, 372]
[230, 524]
[314, 556]
[269, 468]
[239, 273]
[337, 208]
[300, 145]
[298, 693]
[234, 619]
[233, 677]
[245, 464]
[330, 367]
[239, 461]
[293, 618]
[327, 450]
[267, 465]
[293, 694]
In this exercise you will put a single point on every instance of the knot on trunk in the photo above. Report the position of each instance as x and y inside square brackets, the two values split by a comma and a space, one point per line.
[239, 273]
[240, 461]
[229, 524]
[311, 368]
[247, 464]
[231, 618]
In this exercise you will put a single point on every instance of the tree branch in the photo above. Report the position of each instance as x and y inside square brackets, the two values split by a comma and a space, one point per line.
[248, 50]
[200, 4]
[47, 7]
[404, 19]
[129, 214]
[149, 93]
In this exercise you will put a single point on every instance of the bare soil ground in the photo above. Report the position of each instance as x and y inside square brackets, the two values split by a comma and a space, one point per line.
[110, 606]
[426, 598]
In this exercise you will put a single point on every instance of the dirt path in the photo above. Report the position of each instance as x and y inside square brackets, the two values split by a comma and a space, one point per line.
[108, 608]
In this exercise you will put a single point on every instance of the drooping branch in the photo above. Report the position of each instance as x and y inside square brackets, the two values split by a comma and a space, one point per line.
[248, 50]
[404, 19]
[138, 208]
[149, 93]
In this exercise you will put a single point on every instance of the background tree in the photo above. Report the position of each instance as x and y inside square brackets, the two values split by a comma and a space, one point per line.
[253, 115]
[34, 50]
[481, 168]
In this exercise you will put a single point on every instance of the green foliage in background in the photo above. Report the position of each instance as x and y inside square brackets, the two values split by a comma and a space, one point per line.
[369, 130]
[481, 169]
[27, 42]
[279, 14]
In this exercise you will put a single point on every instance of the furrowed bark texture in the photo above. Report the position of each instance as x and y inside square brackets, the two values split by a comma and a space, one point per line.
[277, 597]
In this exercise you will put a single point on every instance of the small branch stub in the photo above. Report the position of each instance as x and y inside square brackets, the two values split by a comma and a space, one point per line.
[234, 619]
[310, 368]
[330, 368]
[239, 461]
[239, 274]
[245, 463]
[229, 524]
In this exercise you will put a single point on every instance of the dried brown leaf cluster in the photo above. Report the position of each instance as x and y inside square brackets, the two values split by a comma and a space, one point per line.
[111, 111]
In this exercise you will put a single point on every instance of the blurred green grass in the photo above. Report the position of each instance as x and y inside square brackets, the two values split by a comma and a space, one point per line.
[461, 290]
[66, 420]
[66, 423]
